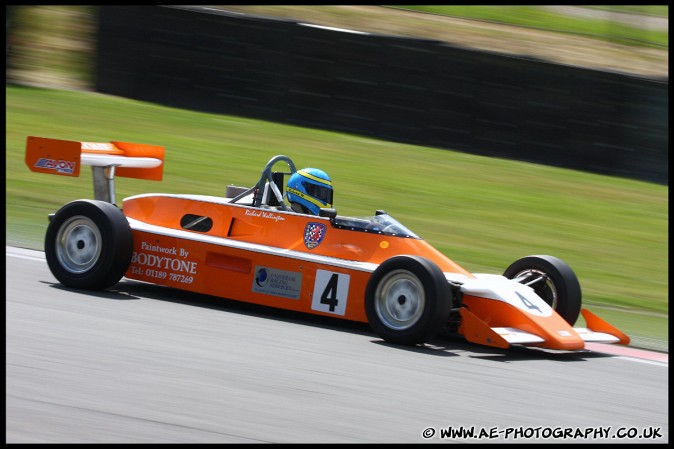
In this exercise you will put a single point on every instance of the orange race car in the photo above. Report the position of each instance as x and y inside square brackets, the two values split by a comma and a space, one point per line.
[283, 245]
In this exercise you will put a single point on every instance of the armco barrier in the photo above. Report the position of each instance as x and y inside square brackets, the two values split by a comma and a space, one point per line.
[407, 90]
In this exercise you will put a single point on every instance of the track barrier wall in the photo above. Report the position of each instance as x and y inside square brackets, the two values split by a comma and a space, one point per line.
[407, 90]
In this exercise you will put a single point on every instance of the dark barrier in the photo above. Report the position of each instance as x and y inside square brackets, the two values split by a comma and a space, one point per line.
[407, 90]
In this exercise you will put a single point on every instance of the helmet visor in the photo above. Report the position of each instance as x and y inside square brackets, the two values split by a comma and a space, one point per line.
[321, 193]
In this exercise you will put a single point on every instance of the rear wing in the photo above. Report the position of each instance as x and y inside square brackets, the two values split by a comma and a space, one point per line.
[65, 157]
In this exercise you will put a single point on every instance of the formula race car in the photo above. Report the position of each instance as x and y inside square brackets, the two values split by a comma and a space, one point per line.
[251, 246]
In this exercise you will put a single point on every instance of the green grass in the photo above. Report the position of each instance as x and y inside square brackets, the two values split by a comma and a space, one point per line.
[605, 28]
[646, 10]
[482, 212]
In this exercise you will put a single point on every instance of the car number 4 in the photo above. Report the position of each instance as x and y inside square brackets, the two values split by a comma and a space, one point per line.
[330, 292]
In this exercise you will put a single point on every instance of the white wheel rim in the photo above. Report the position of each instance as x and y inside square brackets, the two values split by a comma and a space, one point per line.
[78, 244]
[399, 300]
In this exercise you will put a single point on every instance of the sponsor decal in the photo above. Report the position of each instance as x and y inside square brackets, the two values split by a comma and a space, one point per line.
[313, 234]
[163, 266]
[164, 263]
[270, 281]
[160, 249]
[59, 166]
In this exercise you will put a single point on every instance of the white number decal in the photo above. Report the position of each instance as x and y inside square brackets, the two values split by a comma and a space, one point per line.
[330, 292]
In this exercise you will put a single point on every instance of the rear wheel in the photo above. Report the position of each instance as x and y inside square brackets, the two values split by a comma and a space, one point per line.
[553, 280]
[407, 300]
[88, 245]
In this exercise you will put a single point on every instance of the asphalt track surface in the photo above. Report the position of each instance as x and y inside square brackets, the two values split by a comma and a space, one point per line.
[145, 364]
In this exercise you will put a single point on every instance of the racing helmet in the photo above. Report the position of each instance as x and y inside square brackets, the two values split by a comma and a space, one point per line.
[309, 190]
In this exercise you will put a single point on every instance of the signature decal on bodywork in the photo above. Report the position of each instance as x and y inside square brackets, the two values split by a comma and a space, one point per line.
[264, 214]
[313, 234]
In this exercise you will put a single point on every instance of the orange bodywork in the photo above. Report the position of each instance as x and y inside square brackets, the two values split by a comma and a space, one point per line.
[597, 324]
[558, 334]
[63, 157]
[243, 249]
[245, 243]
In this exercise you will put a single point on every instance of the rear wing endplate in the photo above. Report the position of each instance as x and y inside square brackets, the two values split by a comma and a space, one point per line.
[65, 157]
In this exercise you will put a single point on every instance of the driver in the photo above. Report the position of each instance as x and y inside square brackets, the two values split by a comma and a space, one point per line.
[309, 190]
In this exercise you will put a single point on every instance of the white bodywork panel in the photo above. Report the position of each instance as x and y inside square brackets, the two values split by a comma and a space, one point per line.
[500, 288]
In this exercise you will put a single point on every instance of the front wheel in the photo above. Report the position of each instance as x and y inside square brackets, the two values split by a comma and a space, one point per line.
[407, 300]
[553, 280]
[88, 245]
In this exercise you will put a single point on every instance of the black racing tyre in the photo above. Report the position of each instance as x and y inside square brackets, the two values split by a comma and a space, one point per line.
[88, 245]
[407, 300]
[553, 280]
